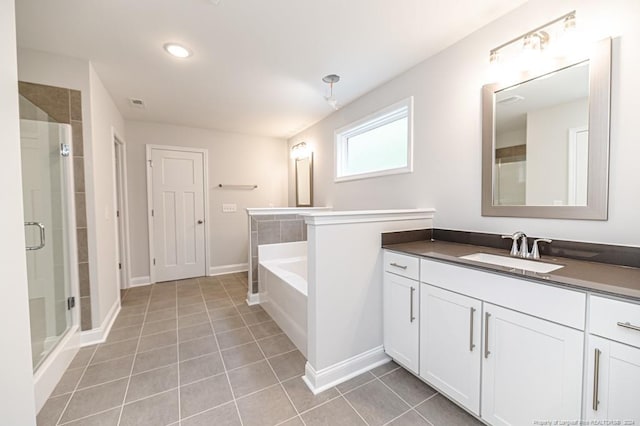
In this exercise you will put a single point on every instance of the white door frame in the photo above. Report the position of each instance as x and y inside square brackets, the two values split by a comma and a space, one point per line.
[205, 180]
[120, 191]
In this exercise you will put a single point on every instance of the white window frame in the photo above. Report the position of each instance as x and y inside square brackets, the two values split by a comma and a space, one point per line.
[394, 112]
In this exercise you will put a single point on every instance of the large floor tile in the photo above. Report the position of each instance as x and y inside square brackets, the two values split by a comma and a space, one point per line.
[265, 329]
[411, 389]
[162, 315]
[197, 347]
[385, 369]
[267, 407]
[106, 371]
[195, 332]
[156, 358]
[158, 326]
[51, 411]
[157, 410]
[225, 415]
[125, 333]
[303, 398]
[200, 368]
[334, 413]
[251, 378]
[241, 355]
[235, 337]
[110, 351]
[288, 365]
[410, 418]
[155, 341]
[106, 418]
[227, 324]
[83, 357]
[276, 345]
[226, 312]
[191, 320]
[203, 395]
[68, 381]
[355, 382]
[376, 403]
[441, 412]
[95, 399]
[152, 382]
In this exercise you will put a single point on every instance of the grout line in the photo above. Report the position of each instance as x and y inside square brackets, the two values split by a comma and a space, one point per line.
[124, 398]
[349, 402]
[66, 406]
[224, 366]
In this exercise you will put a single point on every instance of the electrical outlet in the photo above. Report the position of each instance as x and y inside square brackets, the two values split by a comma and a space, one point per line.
[229, 208]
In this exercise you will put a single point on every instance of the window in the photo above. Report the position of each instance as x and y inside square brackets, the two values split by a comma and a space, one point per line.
[380, 144]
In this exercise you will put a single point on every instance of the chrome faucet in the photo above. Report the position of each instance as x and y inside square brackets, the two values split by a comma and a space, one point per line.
[523, 249]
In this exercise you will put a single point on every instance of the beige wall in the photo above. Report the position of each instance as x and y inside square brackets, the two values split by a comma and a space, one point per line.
[17, 407]
[233, 159]
[447, 131]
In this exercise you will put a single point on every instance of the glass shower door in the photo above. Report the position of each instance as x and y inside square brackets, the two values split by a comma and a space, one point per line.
[45, 196]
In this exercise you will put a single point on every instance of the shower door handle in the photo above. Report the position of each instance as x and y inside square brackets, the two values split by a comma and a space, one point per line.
[42, 237]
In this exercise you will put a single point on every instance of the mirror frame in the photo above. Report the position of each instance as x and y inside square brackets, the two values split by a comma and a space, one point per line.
[598, 166]
[310, 182]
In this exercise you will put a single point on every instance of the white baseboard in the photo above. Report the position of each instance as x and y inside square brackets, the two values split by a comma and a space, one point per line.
[139, 281]
[99, 334]
[47, 376]
[228, 269]
[321, 380]
[254, 299]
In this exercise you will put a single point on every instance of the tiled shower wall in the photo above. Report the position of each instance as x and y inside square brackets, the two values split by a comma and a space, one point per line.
[65, 106]
[273, 229]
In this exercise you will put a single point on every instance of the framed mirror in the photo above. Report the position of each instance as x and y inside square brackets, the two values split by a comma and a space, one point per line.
[545, 142]
[304, 181]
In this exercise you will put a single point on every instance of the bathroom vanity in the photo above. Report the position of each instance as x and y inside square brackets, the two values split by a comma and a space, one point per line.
[513, 346]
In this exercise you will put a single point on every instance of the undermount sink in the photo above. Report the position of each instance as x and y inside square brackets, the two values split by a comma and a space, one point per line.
[512, 262]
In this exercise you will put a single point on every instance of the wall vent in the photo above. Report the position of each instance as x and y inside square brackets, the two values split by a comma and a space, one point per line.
[136, 103]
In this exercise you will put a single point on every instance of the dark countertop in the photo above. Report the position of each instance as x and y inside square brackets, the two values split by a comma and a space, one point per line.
[589, 276]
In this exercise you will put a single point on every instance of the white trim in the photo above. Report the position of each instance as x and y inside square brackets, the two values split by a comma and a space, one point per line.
[573, 163]
[50, 372]
[284, 210]
[139, 281]
[253, 298]
[228, 269]
[384, 116]
[205, 183]
[100, 334]
[321, 380]
[124, 258]
[362, 216]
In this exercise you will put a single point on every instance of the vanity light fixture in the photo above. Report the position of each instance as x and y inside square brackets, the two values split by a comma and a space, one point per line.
[177, 50]
[331, 79]
[300, 150]
[534, 43]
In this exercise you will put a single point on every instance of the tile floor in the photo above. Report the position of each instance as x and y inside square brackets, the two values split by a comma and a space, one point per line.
[193, 353]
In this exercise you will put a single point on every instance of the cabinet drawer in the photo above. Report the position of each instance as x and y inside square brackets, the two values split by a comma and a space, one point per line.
[401, 264]
[615, 320]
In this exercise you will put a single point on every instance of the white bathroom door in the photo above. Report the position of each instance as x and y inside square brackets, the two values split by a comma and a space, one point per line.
[178, 214]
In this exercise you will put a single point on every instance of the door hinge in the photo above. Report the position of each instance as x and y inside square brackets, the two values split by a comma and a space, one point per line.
[150, 163]
[71, 302]
[119, 265]
[117, 213]
[152, 213]
[154, 261]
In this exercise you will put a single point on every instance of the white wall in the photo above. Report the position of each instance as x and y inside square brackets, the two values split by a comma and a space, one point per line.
[233, 159]
[101, 208]
[99, 115]
[447, 131]
[548, 153]
[16, 386]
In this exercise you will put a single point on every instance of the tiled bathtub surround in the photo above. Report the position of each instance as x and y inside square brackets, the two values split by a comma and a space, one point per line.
[273, 229]
[65, 106]
[193, 353]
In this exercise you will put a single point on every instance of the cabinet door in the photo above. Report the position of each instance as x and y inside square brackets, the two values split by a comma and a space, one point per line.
[617, 370]
[401, 319]
[532, 369]
[450, 348]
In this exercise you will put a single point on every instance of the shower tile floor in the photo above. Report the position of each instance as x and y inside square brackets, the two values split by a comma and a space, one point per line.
[193, 353]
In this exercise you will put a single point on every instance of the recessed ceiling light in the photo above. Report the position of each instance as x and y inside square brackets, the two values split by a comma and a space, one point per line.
[177, 50]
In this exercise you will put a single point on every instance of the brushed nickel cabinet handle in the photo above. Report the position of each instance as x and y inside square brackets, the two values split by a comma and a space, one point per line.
[629, 326]
[487, 315]
[398, 266]
[471, 344]
[411, 317]
[596, 378]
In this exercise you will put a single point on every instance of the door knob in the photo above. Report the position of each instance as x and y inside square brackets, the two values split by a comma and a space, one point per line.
[200, 222]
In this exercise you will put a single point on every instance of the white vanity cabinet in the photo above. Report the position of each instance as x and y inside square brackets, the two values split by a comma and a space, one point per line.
[401, 310]
[613, 363]
[532, 369]
[450, 344]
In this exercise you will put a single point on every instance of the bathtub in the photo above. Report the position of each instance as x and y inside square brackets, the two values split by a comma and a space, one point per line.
[282, 283]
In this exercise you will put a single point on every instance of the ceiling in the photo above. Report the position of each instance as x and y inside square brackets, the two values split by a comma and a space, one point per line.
[257, 64]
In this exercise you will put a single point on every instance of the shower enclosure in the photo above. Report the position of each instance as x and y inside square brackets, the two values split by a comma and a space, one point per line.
[49, 224]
